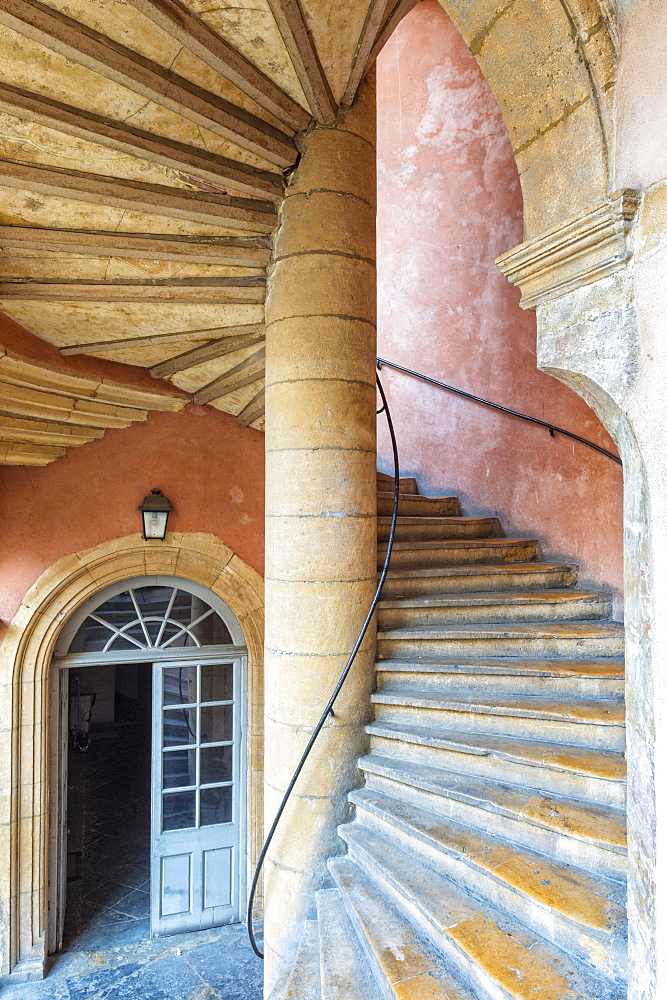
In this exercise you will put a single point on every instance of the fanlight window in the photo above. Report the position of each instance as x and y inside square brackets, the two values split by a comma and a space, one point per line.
[151, 617]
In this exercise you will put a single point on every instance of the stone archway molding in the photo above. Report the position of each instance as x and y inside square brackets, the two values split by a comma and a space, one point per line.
[25, 658]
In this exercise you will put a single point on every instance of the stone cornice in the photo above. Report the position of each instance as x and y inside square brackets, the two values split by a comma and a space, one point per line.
[587, 247]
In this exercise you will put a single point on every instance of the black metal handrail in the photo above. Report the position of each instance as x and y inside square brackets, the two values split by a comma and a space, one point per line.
[552, 428]
[341, 680]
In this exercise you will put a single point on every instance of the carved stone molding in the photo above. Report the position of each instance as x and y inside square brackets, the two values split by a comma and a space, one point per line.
[589, 246]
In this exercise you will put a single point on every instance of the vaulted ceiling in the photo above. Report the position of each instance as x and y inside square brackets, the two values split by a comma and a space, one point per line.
[143, 148]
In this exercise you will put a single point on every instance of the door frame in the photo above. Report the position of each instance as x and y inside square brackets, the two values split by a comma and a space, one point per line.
[61, 663]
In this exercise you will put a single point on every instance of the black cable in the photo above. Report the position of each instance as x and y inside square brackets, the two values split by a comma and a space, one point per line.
[341, 680]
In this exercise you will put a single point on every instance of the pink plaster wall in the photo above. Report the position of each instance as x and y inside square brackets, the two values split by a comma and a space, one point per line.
[449, 204]
[641, 96]
[211, 469]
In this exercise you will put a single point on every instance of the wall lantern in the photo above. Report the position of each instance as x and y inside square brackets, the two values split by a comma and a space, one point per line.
[155, 513]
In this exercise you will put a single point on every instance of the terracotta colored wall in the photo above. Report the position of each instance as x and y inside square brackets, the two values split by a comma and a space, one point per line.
[449, 204]
[211, 469]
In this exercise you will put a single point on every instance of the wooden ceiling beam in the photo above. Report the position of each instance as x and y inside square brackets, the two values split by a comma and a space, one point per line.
[228, 382]
[41, 404]
[159, 339]
[372, 27]
[87, 47]
[225, 390]
[178, 21]
[253, 410]
[300, 46]
[49, 432]
[156, 199]
[216, 173]
[195, 291]
[396, 15]
[18, 453]
[207, 352]
[230, 251]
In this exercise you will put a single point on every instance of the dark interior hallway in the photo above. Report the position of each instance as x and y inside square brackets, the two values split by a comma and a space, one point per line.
[108, 817]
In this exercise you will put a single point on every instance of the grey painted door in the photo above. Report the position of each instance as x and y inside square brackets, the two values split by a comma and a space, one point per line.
[196, 808]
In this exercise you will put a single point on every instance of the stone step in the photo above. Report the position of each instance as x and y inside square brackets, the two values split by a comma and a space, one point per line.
[576, 722]
[506, 675]
[501, 959]
[301, 981]
[345, 972]
[573, 640]
[564, 829]
[418, 506]
[582, 913]
[407, 967]
[591, 775]
[455, 552]
[496, 606]
[476, 578]
[406, 484]
[434, 528]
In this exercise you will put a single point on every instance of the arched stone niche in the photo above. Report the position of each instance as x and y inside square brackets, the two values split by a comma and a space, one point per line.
[551, 65]
[25, 659]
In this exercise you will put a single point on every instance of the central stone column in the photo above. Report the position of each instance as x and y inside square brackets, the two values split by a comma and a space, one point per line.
[320, 506]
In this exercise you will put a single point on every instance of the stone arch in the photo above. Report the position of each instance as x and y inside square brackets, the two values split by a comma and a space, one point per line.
[551, 65]
[25, 659]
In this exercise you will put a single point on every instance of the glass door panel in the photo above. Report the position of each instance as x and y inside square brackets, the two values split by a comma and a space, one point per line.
[196, 802]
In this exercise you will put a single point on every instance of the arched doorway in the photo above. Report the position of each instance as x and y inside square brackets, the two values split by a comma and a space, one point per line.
[148, 678]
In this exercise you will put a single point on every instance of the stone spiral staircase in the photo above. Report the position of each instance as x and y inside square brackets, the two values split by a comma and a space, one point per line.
[487, 857]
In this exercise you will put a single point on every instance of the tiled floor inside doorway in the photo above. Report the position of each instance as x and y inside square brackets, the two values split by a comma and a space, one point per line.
[108, 954]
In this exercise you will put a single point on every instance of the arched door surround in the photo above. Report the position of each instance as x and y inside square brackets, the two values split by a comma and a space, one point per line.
[50, 605]
[195, 649]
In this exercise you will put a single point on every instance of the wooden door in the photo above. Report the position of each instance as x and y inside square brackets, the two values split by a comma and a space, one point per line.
[196, 807]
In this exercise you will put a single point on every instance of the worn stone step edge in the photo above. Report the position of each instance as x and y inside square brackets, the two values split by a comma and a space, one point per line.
[484, 598]
[571, 640]
[407, 484]
[389, 493]
[413, 545]
[407, 966]
[533, 753]
[417, 507]
[345, 973]
[602, 828]
[504, 665]
[302, 980]
[599, 712]
[416, 520]
[517, 639]
[423, 528]
[502, 817]
[511, 630]
[516, 569]
[589, 774]
[560, 900]
[499, 957]
[551, 684]
[404, 582]
[437, 611]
